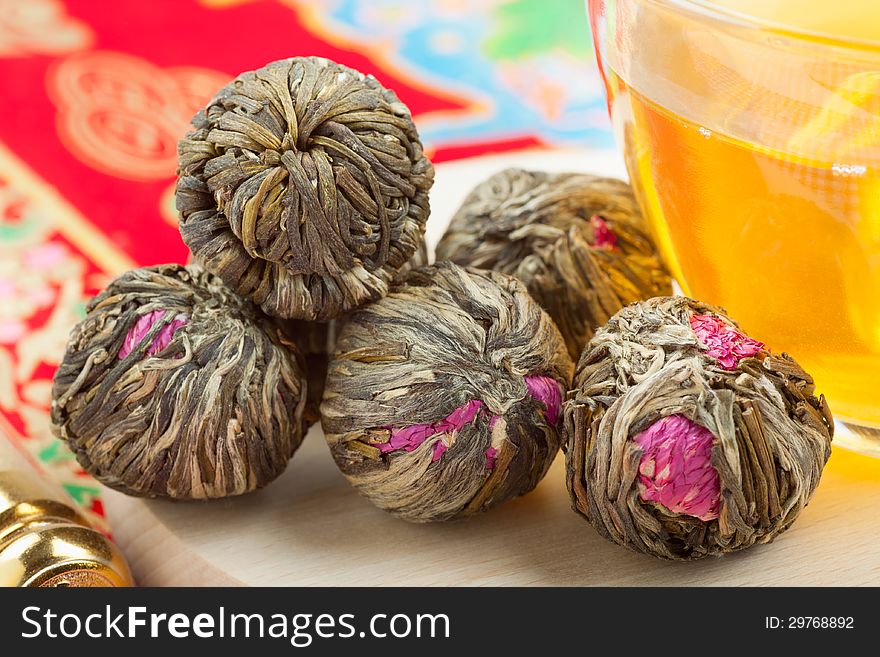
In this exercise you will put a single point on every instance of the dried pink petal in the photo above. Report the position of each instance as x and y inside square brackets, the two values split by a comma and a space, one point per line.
[143, 326]
[723, 342]
[675, 469]
[491, 454]
[460, 416]
[439, 448]
[603, 236]
[409, 438]
[542, 388]
[548, 392]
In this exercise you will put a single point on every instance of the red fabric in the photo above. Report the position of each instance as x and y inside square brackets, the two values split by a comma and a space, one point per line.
[226, 40]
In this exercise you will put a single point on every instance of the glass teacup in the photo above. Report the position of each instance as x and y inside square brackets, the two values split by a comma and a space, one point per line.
[754, 147]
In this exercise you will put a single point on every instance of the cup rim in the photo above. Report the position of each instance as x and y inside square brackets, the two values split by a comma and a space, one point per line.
[710, 10]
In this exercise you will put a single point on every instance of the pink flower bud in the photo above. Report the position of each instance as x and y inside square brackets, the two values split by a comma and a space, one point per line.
[603, 236]
[675, 470]
[143, 326]
[548, 392]
[723, 342]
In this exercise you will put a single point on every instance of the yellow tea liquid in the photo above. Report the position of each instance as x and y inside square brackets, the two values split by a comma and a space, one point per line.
[775, 218]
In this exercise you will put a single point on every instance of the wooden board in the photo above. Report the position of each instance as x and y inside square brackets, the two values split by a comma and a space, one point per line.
[311, 528]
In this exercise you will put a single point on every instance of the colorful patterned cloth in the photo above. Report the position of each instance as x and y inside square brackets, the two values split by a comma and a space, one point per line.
[95, 96]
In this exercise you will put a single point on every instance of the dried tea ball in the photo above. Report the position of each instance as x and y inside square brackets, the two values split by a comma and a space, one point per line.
[304, 187]
[686, 438]
[577, 241]
[173, 386]
[443, 398]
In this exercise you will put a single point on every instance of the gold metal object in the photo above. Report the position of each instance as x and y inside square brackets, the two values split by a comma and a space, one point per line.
[45, 542]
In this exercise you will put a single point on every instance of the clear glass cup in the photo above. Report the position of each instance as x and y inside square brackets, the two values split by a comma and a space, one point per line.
[754, 148]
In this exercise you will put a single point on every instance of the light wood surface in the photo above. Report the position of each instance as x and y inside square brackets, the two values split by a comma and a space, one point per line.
[311, 528]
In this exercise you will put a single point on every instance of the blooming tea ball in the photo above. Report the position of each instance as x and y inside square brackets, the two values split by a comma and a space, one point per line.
[686, 438]
[443, 398]
[173, 386]
[577, 241]
[304, 187]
